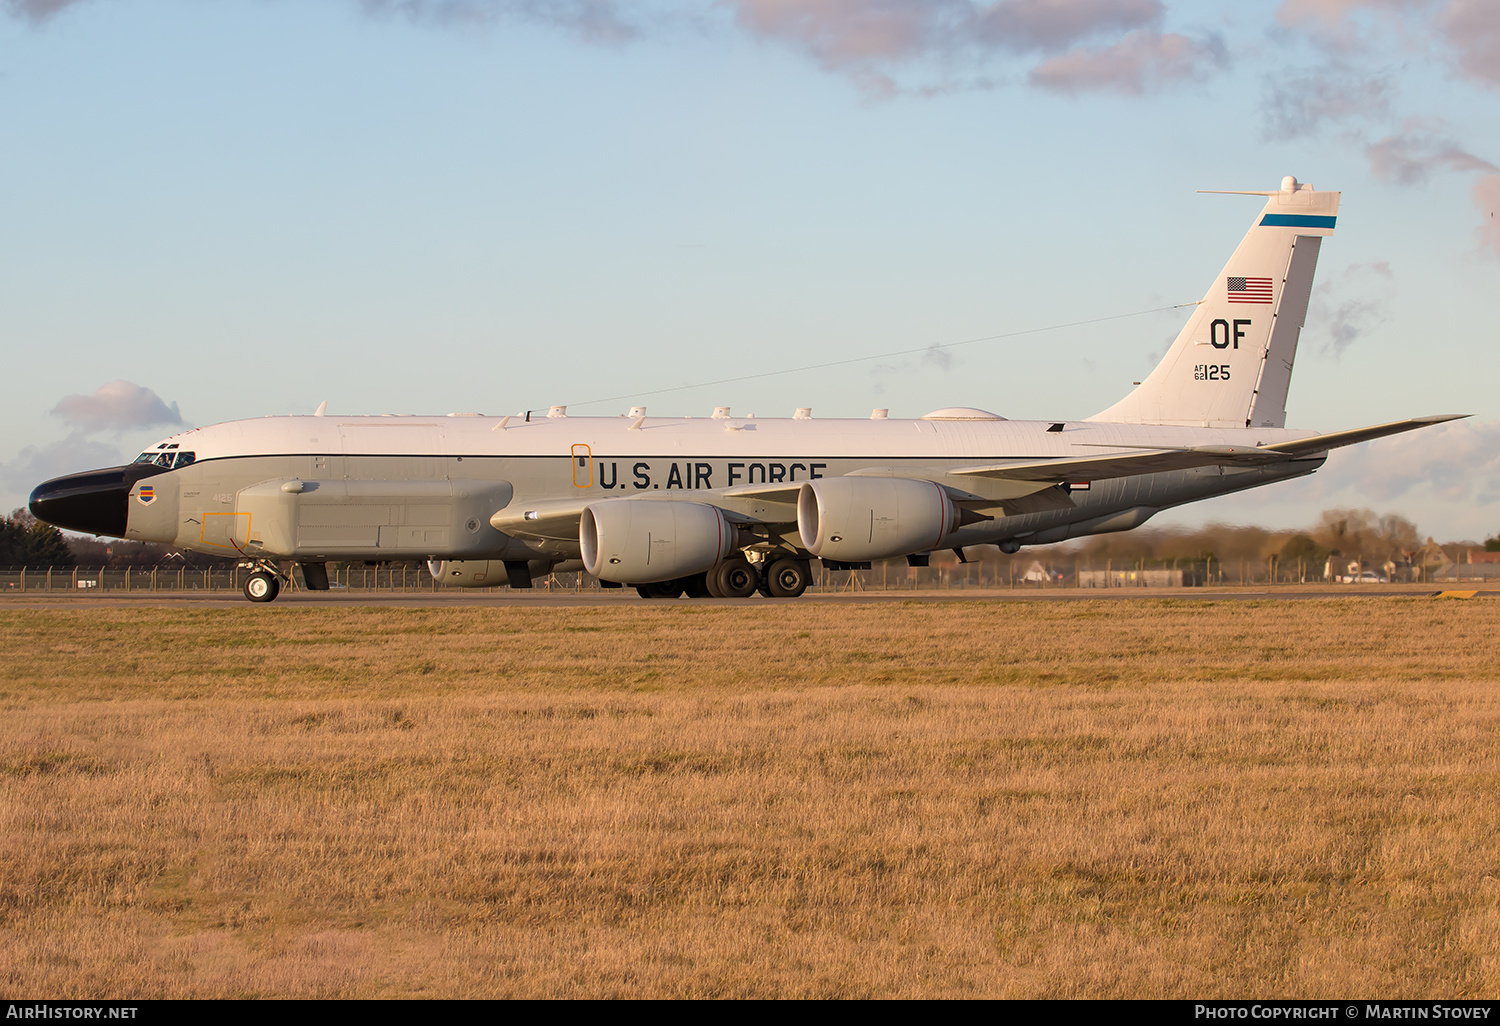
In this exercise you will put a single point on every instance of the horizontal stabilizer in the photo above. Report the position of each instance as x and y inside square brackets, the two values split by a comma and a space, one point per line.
[1322, 443]
[1151, 460]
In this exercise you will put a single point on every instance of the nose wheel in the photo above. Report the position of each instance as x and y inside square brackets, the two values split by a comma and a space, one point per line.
[264, 582]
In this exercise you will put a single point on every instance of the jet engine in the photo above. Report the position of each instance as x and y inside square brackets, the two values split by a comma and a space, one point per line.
[852, 519]
[642, 541]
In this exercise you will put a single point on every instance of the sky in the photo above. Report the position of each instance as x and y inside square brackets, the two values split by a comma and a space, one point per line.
[221, 209]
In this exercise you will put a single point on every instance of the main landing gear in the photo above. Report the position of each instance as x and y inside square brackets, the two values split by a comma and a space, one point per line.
[264, 582]
[786, 577]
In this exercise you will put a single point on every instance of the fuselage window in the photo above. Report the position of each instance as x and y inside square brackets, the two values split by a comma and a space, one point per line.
[184, 458]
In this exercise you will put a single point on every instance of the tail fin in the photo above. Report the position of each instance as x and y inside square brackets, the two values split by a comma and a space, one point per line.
[1232, 363]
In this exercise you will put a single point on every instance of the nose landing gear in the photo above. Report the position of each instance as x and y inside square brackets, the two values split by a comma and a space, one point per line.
[264, 582]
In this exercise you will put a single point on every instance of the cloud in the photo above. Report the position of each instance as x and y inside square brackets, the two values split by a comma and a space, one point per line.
[1093, 44]
[934, 356]
[37, 11]
[1469, 27]
[34, 464]
[1421, 147]
[1412, 155]
[1446, 478]
[1051, 26]
[1457, 462]
[596, 21]
[1472, 27]
[119, 405]
[1332, 13]
[1298, 104]
[1141, 62]
[868, 40]
[1342, 318]
[839, 33]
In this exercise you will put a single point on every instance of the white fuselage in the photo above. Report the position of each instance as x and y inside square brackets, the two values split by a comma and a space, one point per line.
[416, 487]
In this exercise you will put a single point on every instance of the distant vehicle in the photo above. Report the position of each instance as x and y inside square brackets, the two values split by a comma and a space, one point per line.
[1367, 577]
[727, 506]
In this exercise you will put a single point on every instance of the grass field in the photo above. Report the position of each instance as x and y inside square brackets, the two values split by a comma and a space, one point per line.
[1144, 799]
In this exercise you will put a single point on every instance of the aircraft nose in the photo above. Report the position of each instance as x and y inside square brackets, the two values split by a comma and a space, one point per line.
[94, 502]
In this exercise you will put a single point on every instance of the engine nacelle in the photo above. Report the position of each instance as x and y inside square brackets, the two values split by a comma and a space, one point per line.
[852, 519]
[642, 541]
[468, 573]
[487, 573]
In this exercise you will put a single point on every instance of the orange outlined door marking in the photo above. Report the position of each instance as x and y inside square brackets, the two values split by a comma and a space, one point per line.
[225, 530]
[583, 466]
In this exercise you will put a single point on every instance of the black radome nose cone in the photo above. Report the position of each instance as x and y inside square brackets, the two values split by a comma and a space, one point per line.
[94, 502]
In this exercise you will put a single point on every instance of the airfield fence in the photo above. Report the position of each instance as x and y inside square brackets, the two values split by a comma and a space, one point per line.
[1019, 573]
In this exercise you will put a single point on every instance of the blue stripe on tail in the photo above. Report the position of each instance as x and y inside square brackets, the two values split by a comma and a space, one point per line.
[1296, 221]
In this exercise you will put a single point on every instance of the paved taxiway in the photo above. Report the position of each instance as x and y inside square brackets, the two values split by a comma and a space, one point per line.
[542, 597]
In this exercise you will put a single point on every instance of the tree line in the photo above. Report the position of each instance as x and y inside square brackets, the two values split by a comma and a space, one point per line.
[26, 541]
[1340, 535]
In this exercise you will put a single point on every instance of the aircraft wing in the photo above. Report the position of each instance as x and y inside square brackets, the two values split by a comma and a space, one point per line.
[778, 503]
[1122, 464]
[557, 521]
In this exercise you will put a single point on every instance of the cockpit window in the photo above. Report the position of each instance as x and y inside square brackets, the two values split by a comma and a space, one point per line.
[169, 460]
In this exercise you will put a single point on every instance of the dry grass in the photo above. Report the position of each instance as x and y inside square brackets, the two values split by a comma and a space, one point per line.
[1152, 798]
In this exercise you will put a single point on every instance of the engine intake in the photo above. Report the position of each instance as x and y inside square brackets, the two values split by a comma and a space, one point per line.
[642, 541]
[852, 519]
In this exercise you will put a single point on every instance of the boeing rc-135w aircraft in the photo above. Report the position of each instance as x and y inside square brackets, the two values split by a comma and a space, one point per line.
[727, 505]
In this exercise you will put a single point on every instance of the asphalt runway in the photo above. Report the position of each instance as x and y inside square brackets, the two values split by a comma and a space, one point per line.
[544, 597]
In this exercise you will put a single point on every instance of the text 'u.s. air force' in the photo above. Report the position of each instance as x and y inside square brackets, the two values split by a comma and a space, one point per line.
[686, 475]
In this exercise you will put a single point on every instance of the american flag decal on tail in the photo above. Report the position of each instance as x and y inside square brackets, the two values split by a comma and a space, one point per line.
[1249, 290]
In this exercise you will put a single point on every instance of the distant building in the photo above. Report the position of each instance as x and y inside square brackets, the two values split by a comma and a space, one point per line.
[1486, 571]
[1431, 554]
